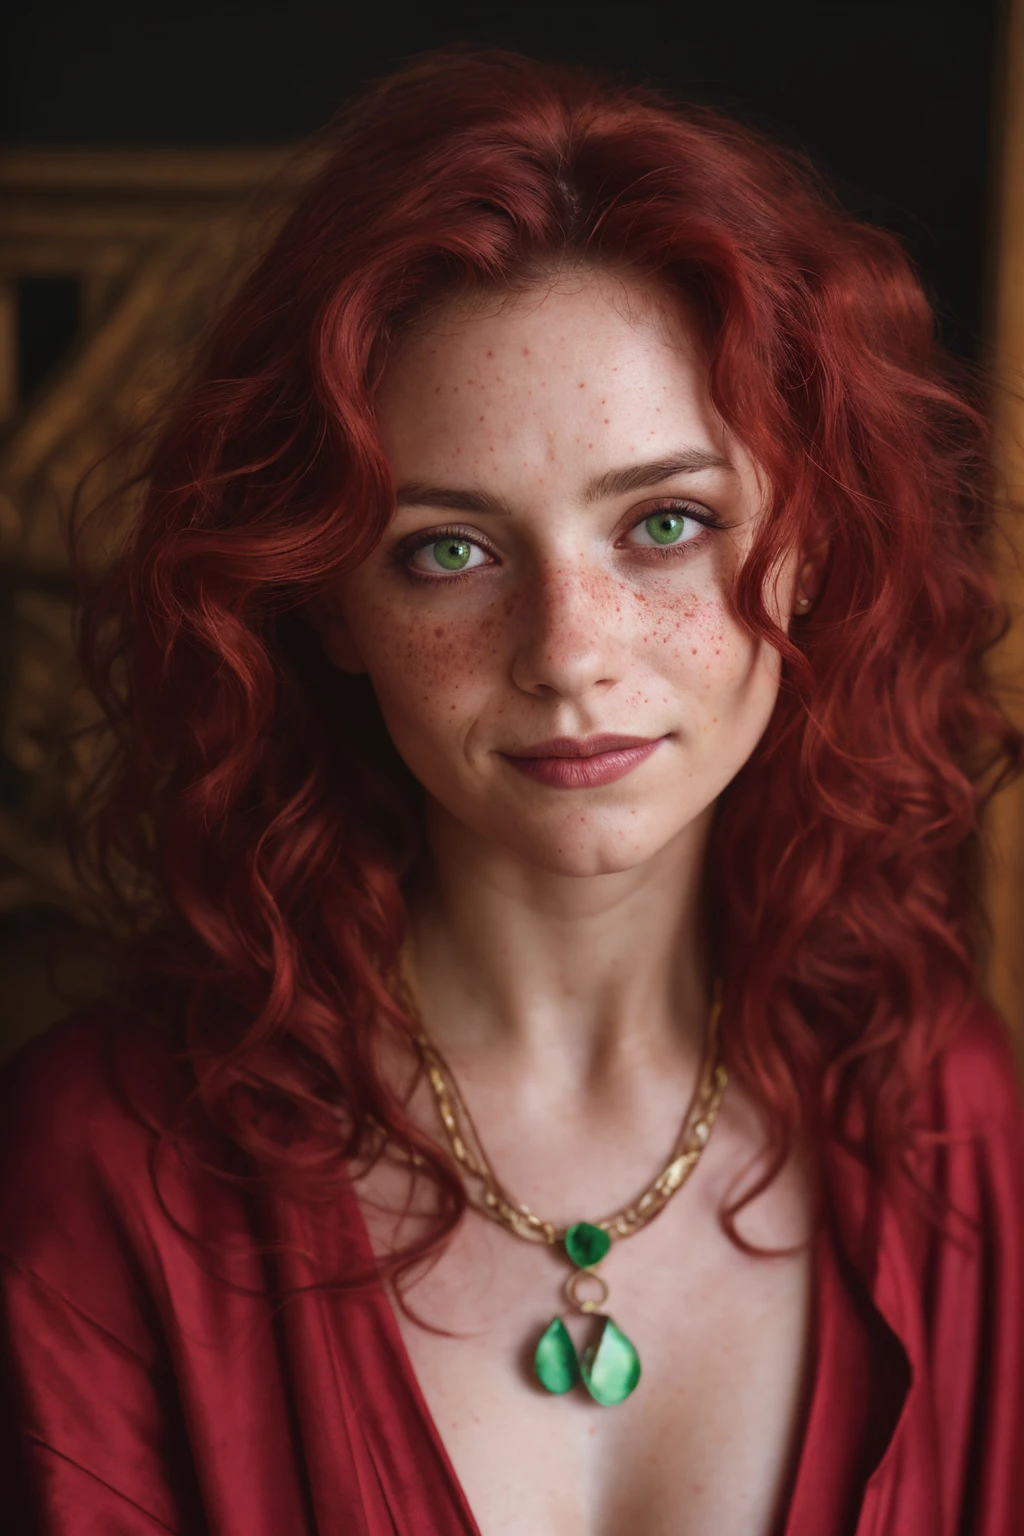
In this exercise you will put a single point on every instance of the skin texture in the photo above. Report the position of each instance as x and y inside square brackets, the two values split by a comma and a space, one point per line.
[570, 620]
[557, 951]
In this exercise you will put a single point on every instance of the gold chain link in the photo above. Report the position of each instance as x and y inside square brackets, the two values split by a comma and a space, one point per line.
[502, 1208]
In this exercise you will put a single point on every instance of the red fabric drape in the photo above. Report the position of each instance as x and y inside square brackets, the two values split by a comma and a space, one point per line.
[152, 1383]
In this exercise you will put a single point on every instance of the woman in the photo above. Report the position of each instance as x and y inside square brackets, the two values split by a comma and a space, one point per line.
[552, 1091]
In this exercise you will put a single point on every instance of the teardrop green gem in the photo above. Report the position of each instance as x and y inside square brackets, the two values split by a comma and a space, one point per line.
[586, 1244]
[555, 1359]
[611, 1367]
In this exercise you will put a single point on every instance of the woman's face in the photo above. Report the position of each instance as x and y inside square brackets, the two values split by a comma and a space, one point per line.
[570, 516]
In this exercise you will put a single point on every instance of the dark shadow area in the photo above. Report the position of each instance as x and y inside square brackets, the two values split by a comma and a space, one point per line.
[49, 316]
[49, 966]
[892, 100]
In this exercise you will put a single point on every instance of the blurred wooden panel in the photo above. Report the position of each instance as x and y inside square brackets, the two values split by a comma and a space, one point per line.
[1005, 894]
[146, 242]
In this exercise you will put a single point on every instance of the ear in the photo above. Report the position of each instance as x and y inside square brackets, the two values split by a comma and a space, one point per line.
[807, 581]
[813, 566]
[330, 623]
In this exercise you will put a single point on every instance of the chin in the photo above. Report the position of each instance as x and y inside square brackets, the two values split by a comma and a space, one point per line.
[582, 852]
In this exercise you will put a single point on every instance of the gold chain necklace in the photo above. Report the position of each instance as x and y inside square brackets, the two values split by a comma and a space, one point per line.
[609, 1366]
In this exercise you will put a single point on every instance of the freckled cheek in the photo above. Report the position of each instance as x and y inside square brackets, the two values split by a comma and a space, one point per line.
[722, 667]
[433, 669]
[689, 636]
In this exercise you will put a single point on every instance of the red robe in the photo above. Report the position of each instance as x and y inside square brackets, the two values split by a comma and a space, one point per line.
[147, 1388]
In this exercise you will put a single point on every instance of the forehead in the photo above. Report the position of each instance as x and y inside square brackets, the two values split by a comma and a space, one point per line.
[589, 303]
[586, 360]
[637, 298]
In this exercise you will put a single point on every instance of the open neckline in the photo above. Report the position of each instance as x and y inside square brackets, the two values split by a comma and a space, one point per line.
[817, 1443]
[383, 1313]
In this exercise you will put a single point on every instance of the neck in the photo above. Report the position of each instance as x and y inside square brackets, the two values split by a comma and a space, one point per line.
[560, 979]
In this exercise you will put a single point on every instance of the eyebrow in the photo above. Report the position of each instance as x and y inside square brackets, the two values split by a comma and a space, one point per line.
[614, 482]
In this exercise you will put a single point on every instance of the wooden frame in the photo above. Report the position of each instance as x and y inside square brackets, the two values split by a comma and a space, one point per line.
[1005, 878]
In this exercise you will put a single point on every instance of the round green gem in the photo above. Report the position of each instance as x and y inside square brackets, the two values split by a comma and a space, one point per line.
[665, 527]
[586, 1244]
[453, 554]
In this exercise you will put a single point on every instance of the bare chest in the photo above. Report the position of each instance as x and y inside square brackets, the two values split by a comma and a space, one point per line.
[707, 1441]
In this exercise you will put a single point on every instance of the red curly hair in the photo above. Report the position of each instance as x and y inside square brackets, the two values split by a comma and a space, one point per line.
[253, 788]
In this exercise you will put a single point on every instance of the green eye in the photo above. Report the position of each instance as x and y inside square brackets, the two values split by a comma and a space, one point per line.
[452, 554]
[665, 527]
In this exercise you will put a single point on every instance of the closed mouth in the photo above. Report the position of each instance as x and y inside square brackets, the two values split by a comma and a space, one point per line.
[582, 746]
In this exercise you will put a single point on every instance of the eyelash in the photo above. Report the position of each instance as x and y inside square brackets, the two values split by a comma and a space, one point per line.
[404, 552]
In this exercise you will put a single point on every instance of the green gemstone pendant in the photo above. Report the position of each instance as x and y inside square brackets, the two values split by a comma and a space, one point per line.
[586, 1245]
[555, 1361]
[610, 1368]
[610, 1365]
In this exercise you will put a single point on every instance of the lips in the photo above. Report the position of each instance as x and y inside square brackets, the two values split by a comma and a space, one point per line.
[583, 746]
[582, 762]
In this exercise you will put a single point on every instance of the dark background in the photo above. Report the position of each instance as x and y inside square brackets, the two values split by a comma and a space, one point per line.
[894, 101]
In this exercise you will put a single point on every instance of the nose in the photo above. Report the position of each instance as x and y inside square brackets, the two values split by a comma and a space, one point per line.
[568, 641]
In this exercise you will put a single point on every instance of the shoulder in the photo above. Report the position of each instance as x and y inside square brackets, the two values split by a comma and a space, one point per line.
[966, 1151]
[978, 1084]
[82, 1112]
[86, 1096]
[970, 1146]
